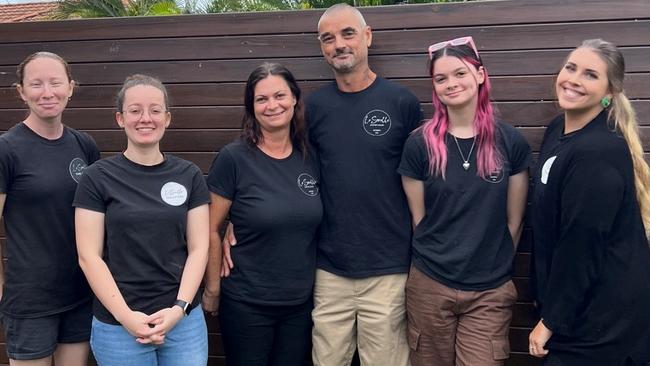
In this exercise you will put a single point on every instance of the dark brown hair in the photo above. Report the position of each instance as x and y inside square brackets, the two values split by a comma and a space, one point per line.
[251, 132]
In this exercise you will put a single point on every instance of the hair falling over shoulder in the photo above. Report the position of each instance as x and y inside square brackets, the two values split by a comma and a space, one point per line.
[624, 117]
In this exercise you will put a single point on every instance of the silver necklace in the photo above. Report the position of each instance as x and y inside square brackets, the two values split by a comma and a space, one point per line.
[465, 161]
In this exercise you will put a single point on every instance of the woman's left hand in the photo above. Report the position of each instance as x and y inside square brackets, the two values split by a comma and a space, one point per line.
[164, 320]
[537, 340]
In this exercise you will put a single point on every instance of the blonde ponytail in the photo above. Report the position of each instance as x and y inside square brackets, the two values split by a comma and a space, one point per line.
[624, 117]
[622, 113]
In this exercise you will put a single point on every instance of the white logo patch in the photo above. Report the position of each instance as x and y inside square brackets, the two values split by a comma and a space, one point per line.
[307, 184]
[546, 168]
[376, 123]
[173, 194]
[76, 168]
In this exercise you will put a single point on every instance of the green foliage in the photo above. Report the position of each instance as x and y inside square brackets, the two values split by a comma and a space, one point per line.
[69, 9]
[328, 3]
[117, 8]
[220, 6]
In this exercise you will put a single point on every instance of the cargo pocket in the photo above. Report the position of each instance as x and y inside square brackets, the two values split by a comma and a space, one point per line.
[413, 338]
[500, 348]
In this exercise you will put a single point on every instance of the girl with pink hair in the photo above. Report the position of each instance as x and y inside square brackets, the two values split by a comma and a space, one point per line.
[465, 176]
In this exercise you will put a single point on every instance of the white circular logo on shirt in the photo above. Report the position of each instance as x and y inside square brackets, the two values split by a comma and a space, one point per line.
[376, 123]
[173, 193]
[76, 168]
[307, 184]
[546, 168]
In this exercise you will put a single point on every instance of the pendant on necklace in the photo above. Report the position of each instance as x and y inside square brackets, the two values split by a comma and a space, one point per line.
[466, 165]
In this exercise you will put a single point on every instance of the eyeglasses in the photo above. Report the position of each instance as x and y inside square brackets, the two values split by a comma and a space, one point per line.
[156, 113]
[454, 42]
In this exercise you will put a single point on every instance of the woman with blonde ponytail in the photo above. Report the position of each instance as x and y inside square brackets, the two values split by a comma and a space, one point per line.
[591, 215]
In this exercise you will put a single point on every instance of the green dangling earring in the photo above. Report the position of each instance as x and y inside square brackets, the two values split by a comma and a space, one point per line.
[605, 102]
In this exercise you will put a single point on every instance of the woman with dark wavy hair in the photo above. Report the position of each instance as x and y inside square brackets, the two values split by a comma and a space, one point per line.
[268, 183]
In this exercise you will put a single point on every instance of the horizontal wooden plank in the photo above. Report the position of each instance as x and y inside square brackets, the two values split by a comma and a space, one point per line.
[504, 89]
[495, 38]
[200, 140]
[217, 117]
[524, 315]
[214, 140]
[104, 118]
[215, 344]
[522, 265]
[504, 63]
[524, 289]
[519, 339]
[385, 17]
[174, 140]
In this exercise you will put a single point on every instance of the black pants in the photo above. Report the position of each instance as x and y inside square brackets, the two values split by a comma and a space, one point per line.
[259, 335]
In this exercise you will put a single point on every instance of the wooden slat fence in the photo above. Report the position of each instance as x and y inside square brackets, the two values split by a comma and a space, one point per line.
[205, 59]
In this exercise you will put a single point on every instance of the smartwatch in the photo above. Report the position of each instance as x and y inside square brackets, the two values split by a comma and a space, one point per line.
[184, 305]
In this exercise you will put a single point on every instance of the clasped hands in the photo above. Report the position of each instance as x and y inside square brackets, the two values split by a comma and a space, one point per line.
[151, 329]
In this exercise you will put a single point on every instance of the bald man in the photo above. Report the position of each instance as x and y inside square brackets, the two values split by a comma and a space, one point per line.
[358, 125]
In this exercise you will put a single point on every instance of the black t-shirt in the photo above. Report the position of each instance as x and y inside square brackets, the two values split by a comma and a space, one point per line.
[592, 261]
[275, 211]
[359, 139]
[145, 220]
[463, 240]
[39, 177]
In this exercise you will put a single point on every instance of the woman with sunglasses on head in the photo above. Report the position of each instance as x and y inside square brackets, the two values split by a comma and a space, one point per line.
[142, 237]
[45, 303]
[267, 182]
[591, 220]
[465, 177]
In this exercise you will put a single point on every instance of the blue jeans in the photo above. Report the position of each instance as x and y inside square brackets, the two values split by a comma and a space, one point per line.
[185, 345]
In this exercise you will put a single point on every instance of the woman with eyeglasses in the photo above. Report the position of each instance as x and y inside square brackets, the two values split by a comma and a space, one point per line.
[466, 178]
[591, 220]
[45, 305]
[142, 238]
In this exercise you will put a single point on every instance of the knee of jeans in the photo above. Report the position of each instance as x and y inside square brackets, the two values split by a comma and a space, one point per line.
[500, 348]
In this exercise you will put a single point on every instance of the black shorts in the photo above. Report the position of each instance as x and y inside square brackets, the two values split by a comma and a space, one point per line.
[35, 338]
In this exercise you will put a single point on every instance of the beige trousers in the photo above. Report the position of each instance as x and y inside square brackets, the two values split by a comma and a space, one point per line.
[366, 313]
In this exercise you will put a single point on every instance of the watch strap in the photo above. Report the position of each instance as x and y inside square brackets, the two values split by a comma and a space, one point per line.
[183, 305]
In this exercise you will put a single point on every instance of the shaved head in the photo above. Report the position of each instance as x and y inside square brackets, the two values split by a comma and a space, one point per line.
[342, 7]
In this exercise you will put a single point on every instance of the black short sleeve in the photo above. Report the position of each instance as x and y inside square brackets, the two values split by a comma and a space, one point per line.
[88, 195]
[6, 165]
[415, 115]
[200, 193]
[414, 163]
[222, 177]
[519, 153]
